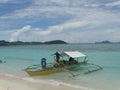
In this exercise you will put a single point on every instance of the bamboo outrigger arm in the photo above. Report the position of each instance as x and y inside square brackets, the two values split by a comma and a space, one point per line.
[90, 71]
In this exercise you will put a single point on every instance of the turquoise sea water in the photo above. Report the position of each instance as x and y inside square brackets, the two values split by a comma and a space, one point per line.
[105, 55]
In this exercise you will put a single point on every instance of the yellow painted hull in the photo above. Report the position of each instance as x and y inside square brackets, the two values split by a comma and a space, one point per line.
[48, 71]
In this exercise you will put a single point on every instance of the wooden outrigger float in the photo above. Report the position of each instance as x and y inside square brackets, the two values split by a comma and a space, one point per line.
[61, 65]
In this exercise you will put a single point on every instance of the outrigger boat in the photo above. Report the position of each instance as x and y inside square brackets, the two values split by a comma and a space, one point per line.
[61, 65]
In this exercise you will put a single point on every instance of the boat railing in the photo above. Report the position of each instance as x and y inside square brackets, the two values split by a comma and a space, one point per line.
[33, 67]
[38, 67]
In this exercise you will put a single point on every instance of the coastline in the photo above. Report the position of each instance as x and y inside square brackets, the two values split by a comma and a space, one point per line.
[13, 82]
[10, 82]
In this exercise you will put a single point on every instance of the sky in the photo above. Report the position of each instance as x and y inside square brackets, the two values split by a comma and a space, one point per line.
[74, 21]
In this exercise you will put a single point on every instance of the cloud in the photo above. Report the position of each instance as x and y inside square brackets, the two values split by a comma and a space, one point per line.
[8, 1]
[49, 32]
[17, 33]
[4, 1]
[92, 27]
[61, 28]
[52, 9]
[5, 34]
[57, 19]
[116, 3]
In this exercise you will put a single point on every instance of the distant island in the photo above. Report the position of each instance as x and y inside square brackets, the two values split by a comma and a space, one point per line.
[103, 42]
[106, 42]
[55, 42]
[7, 43]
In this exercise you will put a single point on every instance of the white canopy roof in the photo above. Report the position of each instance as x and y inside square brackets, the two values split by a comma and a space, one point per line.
[74, 54]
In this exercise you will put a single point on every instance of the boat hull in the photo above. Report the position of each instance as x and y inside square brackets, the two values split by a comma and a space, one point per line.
[49, 71]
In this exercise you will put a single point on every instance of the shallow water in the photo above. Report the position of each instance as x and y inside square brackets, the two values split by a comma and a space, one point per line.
[105, 55]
